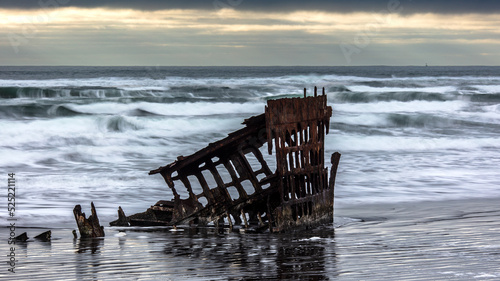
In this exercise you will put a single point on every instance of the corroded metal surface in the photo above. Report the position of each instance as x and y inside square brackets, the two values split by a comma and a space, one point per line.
[237, 183]
[298, 127]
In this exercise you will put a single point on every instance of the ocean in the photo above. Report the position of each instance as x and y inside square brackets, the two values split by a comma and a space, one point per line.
[409, 134]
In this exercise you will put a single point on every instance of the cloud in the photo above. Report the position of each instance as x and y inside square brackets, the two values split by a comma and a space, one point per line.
[340, 6]
[100, 36]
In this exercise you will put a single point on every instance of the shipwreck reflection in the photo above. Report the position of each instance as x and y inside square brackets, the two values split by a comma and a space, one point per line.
[88, 258]
[302, 262]
[91, 245]
[255, 256]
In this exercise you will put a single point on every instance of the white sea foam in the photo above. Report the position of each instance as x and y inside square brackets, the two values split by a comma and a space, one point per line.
[91, 82]
[402, 143]
[148, 83]
[361, 119]
[397, 106]
[488, 89]
[174, 109]
[490, 114]
[315, 238]
[492, 108]
[362, 88]
[38, 133]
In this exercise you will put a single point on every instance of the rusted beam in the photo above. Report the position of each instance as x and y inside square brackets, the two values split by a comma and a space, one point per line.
[232, 141]
[122, 219]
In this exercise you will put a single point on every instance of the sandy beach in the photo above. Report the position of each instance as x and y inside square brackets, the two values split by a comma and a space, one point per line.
[452, 240]
[441, 240]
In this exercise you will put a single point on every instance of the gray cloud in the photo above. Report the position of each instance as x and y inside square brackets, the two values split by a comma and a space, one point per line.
[409, 6]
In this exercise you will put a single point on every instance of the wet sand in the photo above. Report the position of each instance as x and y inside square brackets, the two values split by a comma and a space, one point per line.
[445, 240]
[452, 240]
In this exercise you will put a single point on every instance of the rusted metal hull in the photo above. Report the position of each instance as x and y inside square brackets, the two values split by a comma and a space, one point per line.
[247, 193]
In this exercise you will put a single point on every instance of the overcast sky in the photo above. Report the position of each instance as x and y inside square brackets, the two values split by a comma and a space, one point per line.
[245, 32]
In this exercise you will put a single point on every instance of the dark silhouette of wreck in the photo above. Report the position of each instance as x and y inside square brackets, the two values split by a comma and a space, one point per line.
[298, 195]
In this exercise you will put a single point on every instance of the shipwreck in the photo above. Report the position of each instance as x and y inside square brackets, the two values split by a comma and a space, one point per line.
[298, 194]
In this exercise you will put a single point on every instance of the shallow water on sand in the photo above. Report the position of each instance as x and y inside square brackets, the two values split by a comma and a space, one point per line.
[453, 240]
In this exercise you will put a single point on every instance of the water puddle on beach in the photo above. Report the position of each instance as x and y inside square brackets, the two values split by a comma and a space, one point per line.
[454, 240]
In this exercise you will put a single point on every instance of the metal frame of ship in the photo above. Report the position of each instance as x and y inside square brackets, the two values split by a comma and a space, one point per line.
[299, 194]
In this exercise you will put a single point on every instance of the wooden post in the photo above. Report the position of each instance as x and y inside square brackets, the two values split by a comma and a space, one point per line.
[22, 238]
[122, 219]
[89, 228]
[44, 236]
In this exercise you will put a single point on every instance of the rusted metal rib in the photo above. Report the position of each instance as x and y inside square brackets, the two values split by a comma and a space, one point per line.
[299, 194]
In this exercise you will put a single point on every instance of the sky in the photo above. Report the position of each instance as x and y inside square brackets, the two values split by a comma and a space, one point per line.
[245, 32]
